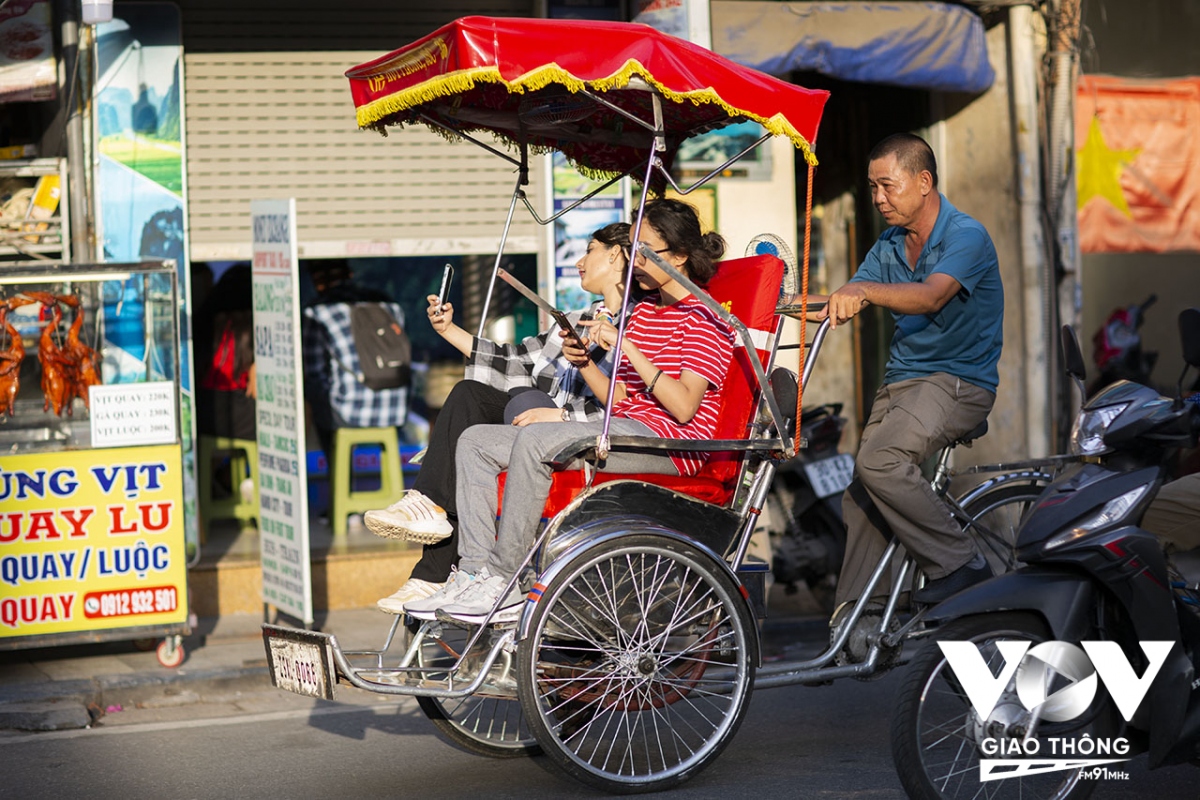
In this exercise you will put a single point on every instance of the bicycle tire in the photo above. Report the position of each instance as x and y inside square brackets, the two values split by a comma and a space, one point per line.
[938, 739]
[996, 515]
[488, 723]
[639, 664]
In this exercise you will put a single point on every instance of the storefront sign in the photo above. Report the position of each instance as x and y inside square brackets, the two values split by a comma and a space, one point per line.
[91, 539]
[129, 414]
[282, 467]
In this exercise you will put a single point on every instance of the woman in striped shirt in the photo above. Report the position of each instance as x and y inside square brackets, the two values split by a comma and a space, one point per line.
[674, 356]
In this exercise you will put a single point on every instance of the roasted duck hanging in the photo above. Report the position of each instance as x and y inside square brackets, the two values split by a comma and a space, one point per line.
[80, 357]
[55, 368]
[11, 355]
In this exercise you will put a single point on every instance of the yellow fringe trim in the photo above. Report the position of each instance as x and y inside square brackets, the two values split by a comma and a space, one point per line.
[371, 114]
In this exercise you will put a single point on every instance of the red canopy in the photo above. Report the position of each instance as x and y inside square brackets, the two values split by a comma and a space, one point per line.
[521, 78]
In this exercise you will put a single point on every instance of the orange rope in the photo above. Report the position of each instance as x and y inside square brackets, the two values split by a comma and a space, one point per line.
[804, 301]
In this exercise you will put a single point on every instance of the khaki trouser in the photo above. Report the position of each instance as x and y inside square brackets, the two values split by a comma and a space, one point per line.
[910, 421]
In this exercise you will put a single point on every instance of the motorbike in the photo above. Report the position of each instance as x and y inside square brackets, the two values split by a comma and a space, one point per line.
[1117, 347]
[803, 513]
[1091, 647]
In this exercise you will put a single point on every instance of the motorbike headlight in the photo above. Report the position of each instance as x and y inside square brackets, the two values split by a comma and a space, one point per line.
[1087, 434]
[1112, 511]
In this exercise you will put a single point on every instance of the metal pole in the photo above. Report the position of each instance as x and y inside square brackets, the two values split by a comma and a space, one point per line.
[73, 89]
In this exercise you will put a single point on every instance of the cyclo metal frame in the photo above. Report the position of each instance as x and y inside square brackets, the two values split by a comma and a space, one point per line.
[693, 578]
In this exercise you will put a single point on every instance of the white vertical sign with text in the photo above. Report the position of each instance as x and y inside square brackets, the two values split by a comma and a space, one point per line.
[283, 480]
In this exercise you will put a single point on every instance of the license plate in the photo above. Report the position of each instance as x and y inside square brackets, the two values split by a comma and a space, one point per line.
[300, 661]
[830, 475]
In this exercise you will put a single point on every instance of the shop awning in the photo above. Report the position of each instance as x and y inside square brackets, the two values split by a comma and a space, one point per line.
[918, 45]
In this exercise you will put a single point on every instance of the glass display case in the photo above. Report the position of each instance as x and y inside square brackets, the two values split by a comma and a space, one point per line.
[83, 349]
[91, 462]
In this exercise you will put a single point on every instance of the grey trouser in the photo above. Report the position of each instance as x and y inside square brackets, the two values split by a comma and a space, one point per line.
[484, 451]
[1174, 514]
[910, 421]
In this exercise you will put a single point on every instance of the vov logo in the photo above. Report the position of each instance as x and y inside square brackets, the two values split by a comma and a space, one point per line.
[1030, 669]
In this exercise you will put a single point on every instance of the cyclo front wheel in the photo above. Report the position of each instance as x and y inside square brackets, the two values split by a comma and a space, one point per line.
[487, 723]
[939, 739]
[638, 664]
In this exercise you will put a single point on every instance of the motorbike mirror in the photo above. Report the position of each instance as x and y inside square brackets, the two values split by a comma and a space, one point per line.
[1072, 355]
[1073, 360]
[1189, 332]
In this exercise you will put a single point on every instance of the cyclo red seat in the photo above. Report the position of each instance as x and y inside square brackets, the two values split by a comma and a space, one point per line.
[749, 289]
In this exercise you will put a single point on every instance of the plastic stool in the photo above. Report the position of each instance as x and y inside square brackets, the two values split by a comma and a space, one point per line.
[343, 501]
[243, 461]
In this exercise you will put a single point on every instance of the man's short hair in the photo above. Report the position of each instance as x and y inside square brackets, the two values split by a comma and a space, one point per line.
[912, 152]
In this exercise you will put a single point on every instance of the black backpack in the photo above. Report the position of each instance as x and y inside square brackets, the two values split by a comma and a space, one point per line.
[384, 352]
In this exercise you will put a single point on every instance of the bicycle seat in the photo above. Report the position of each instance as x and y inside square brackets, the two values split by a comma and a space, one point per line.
[975, 433]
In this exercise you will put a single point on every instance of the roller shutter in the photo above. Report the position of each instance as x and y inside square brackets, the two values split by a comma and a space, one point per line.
[269, 116]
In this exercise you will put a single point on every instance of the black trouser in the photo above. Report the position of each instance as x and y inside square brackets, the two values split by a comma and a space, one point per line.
[230, 414]
[469, 403]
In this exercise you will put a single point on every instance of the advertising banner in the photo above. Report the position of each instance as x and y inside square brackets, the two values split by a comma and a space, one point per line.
[140, 182]
[573, 230]
[282, 467]
[91, 540]
[28, 71]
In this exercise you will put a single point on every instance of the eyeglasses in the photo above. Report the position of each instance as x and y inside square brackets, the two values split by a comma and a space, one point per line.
[659, 252]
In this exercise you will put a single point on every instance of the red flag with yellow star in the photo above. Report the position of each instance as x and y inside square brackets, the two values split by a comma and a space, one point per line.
[1138, 164]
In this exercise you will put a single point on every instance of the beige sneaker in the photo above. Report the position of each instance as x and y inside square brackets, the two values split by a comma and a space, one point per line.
[413, 517]
[413, 589]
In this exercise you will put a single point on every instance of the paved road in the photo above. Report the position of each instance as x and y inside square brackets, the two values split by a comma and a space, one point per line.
[827, 743]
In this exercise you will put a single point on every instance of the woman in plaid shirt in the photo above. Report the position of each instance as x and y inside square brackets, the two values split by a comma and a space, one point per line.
[674, 357]
[428, 512]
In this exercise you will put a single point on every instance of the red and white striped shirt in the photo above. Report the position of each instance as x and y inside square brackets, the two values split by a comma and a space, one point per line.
[684, 335]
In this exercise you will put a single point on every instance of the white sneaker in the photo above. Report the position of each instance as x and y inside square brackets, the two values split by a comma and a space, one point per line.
[413, 589]
[413, 517]
[424, 608]
[474, 603]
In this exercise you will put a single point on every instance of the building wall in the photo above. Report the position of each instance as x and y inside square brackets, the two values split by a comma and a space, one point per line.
[978, 176]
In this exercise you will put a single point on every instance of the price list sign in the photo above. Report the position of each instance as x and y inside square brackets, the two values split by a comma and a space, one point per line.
[283, 495]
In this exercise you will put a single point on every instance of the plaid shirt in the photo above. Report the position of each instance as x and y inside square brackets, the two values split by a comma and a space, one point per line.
[330, 365]
[538, 362]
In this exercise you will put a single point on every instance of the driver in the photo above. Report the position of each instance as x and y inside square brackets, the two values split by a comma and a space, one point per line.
[935, 270]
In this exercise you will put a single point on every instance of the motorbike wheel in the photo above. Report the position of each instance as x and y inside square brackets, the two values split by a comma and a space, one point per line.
[487, 723]
[937, 735]
[996, 516]
[638, 665]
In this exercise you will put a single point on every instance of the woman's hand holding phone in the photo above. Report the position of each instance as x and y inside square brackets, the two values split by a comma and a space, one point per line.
[576, 350]
[441, 315]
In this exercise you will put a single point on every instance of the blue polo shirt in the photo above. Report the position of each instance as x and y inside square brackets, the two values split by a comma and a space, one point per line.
[964, 338]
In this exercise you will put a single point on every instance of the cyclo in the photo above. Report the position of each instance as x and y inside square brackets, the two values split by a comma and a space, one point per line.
[637, 650]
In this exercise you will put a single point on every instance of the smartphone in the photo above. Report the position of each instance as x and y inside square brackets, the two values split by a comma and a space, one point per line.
[444, 292]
